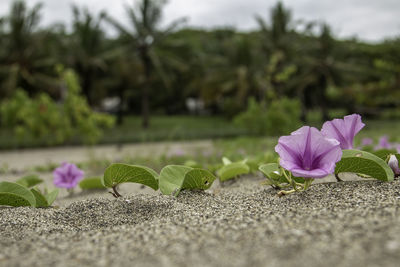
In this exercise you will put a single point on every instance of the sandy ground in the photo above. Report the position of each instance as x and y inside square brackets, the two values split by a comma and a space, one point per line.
[355, 223]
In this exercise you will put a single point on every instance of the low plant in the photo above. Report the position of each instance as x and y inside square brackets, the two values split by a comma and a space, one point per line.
[232, 170]
[23, 193]
[273, 118]
[171, 180]
[309, 154]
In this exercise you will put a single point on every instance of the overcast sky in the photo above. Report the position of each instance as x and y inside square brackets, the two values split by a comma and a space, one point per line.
[370, 20]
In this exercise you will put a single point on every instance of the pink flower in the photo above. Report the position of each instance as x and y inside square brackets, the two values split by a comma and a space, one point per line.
[344, 130]
[366, 141]
[384, 143]
[308, 153]
[394, 164]
[67, 175]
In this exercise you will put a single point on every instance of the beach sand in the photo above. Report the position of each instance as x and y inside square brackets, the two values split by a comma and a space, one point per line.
[353, 223]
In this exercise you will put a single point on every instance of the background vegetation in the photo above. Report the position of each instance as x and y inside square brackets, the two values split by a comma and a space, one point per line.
[267, 81]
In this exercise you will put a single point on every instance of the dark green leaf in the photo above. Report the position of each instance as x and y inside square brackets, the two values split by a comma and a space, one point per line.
[91, 183]
[13, 194]
[357, 161]
[119, 173]
[384, 153]
[41, 201]
[174, 178]
[51, 197]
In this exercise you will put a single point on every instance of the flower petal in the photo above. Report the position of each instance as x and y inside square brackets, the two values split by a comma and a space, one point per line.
[343, 130]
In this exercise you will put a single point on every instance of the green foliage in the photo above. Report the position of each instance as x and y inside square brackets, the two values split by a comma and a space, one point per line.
[383, 153]
[232, 169]
[279, 117]
[365, 163]
[276, 178]
[118, 173]
[44, 200]
[29, 181]
[174, 178]
[91, 183]
[18, 194]
[42, 119]
[12, 194]
[87, 123]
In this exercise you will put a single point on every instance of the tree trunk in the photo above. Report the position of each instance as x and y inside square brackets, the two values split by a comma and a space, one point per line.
[145, 89]
[323, 99]
[120, 112]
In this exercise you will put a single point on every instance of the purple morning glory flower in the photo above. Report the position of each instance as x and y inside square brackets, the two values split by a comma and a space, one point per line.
[394, 164]
[343, 130]
[308, 153]
[366, 141]
[67, 175]
[384, 143]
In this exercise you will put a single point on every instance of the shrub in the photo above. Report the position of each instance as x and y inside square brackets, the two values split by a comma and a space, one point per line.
[42, 119]
[279, 117]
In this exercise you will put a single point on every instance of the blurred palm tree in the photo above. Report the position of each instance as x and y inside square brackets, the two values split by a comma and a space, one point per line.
[319, 69]
[278, 44]
[87, 52]
[143, 38]
[24, 63]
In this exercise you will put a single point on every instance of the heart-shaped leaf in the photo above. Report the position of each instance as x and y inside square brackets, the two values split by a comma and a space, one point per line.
[232, 170]
[357, 161]
[91, 183]
[16, 195]
[174, 178]
[29, 181]
[118, 173]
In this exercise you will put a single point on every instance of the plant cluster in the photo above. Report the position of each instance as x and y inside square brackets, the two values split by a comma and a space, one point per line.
[273, 118]
[24, 192]
[41, 118]
[309, 154]
[219, 68]
[305, 155]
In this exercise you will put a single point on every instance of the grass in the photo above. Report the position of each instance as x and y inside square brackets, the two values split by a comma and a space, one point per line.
[178, 128]
[172, 128]
[162, 128]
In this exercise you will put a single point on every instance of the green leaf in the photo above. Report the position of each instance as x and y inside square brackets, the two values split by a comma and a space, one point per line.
[226, 161]
[171, 178]
[29, 181]
[271, 170]
[384, 153]
[174, 178]
[192, 164]
[13, 194]
[198, 179]
[118, 173]
[51, 197]
[41, 201]
[91, 183]
[232, 170]
[357, 161]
